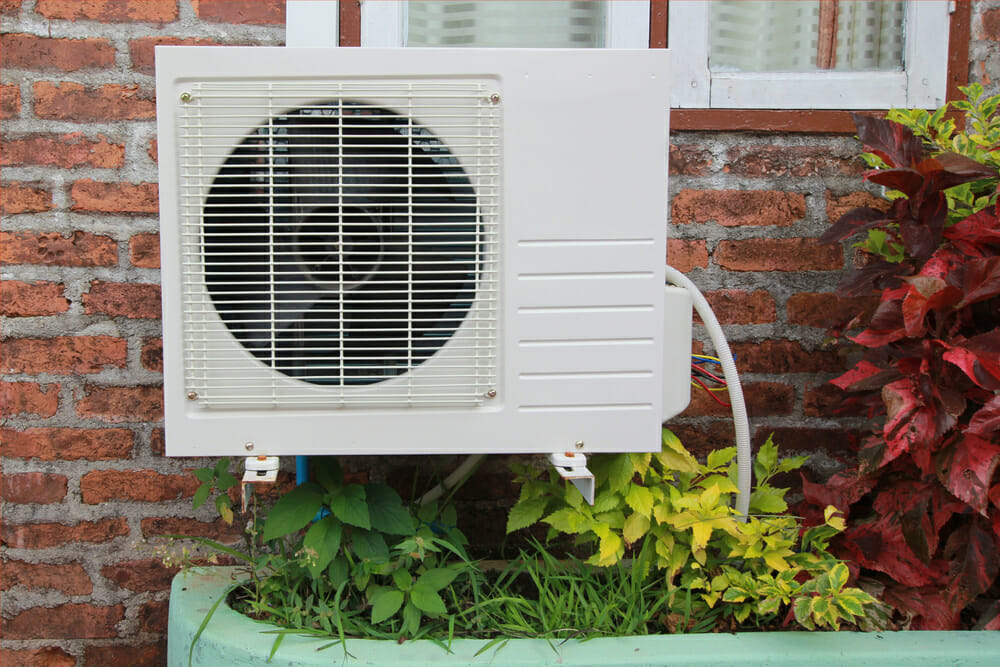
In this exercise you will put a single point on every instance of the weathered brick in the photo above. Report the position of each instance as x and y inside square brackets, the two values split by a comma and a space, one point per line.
[49, 656]
[122, 404]
[702, 439]
[241, 11]
[153, 616]
[154, 150]
[734, 208]
[109, 11]
[798, 161]
[71, 101]
[40, 488]
[686, 255]
[67, 355]
[34, 299]
[990, 28]
[214, 530]
[145, 575]
[99, 486]
[145, 655]
[65, 151]
[158, 442]
[822, 309]
[143, 50]
[23, 51]
[144, 250]
[10, 101]
[46, 535]
[68, 444]
[762, 399]
[54, 249]
[784, 356]
[17, 197]
[69, 578]
[686, 160]
[832, 441]
[738, 307]
[8, 8]
[152, 355]
[132, 300]
[101, 197]
[802, 254]
[28, 398]
[838, 205]
[67, 621]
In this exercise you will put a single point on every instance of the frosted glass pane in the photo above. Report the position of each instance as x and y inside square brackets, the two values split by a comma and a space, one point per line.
[503, 23]
[759, 36]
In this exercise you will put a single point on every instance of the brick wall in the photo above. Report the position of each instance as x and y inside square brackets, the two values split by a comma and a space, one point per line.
[84, 478]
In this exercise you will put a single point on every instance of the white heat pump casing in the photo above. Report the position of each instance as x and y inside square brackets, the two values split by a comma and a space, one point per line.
[562, 348]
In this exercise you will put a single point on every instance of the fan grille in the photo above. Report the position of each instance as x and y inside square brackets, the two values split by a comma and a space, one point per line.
[343, 235]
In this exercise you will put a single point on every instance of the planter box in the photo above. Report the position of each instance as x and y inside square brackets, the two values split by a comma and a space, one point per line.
[234, 640]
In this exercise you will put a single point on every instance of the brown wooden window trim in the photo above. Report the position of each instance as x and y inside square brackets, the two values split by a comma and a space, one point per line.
[753, 120]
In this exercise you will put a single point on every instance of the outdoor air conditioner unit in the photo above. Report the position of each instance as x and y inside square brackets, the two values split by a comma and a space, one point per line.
[416, 251]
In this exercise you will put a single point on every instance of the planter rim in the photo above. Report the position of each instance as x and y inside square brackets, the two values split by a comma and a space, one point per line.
[235, 640]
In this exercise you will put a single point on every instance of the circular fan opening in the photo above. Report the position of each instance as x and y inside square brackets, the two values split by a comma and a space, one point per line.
[341, 243]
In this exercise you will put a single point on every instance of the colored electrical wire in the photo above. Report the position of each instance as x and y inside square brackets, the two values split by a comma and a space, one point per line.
[713, 396]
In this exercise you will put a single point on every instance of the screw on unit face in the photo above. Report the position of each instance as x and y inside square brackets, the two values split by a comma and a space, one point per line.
[492, 393]
[248, 446]
[192, 396]
[185, 97]
[495, 98]
[579, 444]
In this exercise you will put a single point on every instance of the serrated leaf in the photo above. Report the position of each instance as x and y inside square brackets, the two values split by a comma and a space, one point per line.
[605, 501]
[567, 520]
[766, 503]
[385, 604]
[850, 604]
[609, 547]
[293, 511]
[636, 525]
[386, 510]
[524, 514]
[323, 540]
[349, 505]
[205, 475]
[403, 579]
[620, 472]
[640, 499]
[718, 458]
[427, 599]
[369, 546]
[221, 466]
[201, 495]
[438, 577]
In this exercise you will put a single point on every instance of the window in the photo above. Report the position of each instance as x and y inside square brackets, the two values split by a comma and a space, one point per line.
[825, 54]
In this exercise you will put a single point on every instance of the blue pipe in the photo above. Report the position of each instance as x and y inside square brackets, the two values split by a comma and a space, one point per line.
[301, 470]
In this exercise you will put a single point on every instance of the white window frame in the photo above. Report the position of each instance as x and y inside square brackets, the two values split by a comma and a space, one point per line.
[922, 83]
[312, 23]
[383, 23]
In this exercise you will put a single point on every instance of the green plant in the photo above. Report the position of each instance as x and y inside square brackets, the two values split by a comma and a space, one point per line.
[924, 498]
[672, 515]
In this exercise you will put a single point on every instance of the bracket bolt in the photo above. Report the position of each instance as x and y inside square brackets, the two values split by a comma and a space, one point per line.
[495, 98]
[192, 396]
[579, 444]
[248, 446]
[185, 97]
[492, 393]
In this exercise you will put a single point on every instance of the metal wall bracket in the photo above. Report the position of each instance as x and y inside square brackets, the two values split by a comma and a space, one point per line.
[573, 466]
[258, 470]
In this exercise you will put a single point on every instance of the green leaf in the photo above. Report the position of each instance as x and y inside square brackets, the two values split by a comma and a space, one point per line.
[326, 470]
[221, 466]
[205, 475]
[525, 513]
[293, 511]
[386, 510]
[620, 472]
[411, 619]
[427, 599]
[767, 455]
[766, 503]
[403, 579]
[567, 520]
[201, 495]
[640, 461]
[850, 604]
[636, 525]
[605, 501]
[792, 463]
[322, 538]
[640, 499]
[385, 604]
[438, 577]
[369, 546]
[718, 458]
[348, 504]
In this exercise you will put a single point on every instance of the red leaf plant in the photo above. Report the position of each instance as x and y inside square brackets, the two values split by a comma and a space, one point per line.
[923, 498]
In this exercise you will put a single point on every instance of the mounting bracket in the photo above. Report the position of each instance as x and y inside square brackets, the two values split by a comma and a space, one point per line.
[573, 466]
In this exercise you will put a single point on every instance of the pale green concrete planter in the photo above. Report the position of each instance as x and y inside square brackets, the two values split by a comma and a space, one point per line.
[232, 640]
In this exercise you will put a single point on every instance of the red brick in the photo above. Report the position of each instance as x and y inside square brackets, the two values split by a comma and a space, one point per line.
[688, 160]
[149, 486]
[736, 208]
[40, 488]
[154, 150]
[214, 530]
[152, 355]
[153, 616]
[54, 249]
[68, 444]
[68, 578]
[10, 7]
[143, 50]
[50, 656]
[241, 11]
[827, 400]
[144, 250]
[838, 205]
[832, 441]
[34, 299]
[66, 355]
[991, 25]
[798, 161]
[778, 255]
[100, 197]
[17, 197]
[68, 621]
[28, 398]
[738, 307]
[141, 576]
[821, 309]
[10, 100]
[784, 356]
[762, 399]
[46, 535]
[686, 255]
[122, 404]
[71, 101]
[157, 442]
[65, 151]
[145, 655]
[133, 300]
[22, 51]
[109, 11]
